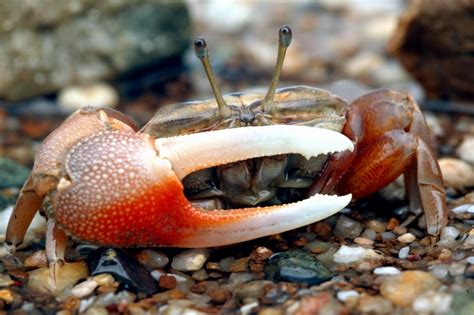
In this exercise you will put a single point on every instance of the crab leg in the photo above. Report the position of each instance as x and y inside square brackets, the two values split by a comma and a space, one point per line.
[128, 191]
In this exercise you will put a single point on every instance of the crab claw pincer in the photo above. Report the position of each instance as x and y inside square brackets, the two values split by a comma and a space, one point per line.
[124, 188]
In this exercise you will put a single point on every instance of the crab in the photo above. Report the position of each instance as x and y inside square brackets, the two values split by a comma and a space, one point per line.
[225, 170]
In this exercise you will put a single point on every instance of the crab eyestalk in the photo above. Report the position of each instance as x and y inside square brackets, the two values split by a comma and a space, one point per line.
[128, 191]
[284, 40]
[201, 51]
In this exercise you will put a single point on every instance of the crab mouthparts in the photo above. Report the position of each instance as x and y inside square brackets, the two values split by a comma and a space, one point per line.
[198, 151]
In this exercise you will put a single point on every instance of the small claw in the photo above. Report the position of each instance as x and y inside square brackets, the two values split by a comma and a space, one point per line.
[125, 188]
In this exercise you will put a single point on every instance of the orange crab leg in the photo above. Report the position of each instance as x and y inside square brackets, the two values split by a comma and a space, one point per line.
[124, 189]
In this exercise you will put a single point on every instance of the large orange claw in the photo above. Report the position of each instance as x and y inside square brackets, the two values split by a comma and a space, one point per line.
[124, 188]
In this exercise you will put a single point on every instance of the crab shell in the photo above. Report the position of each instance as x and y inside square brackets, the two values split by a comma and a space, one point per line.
[107, 184]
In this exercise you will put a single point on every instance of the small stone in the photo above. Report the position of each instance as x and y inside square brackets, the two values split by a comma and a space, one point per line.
[457, 269]
[322, 230]
[167, 282]
[242, 277]
[386, 271]
[6, 281]
[466, 149]
[440, 271]
[261, 253]
[392, 224]
[466, 208]
[153, 259]
[85, 288]
[400, 230]
[200, 275]
[157, 274]
[402, 289]
[239, 265]
[73, 98]
[190, 260]
[374, 304]
[470, 260]
[247, 308]
[366, 266]
[449, 233]
[376, 225]
[6, 295]
[363, 241]
[403, 253]
[347, 228]
[124, 268]
[68, 275]
[104, 279]
[369, 234]
[387, 236]
[252, 289]
[219, 295]
[296, 266]
[406, 238]
[37, 260]
[317, 247]
[456, 173]
[433, 302]
[345, 295]
[347, 254]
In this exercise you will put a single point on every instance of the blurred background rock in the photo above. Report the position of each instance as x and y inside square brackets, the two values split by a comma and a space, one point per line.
[57, 56]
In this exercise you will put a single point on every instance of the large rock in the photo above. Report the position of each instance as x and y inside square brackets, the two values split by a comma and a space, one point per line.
[48, 44]
[434, 41]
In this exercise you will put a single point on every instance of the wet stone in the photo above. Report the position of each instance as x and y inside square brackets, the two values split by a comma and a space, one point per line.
[153, 259]
[402, 289]
[190, 260]
[347, 228]
[386, 236]
[369, 234]
[376, 225]
[124, 268]
[296, 266]
[406, 238]
[403, 253]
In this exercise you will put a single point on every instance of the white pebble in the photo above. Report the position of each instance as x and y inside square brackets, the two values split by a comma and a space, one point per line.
[346, 254]
[177, 277]
[403, 253]
[157, 274]
[345, 295]
[406, 238]
[84, 288]
[449, 233]
[469, 208]
[470, 260]
[386, 271]
[190, 260]
[247, 308]
[433, 302]
[100, 94]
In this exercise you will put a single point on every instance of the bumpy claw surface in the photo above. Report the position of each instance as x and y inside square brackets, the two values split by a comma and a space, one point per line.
[124, 189]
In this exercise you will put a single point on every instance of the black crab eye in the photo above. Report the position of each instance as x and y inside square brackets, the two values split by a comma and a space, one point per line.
[200, 47]
[285, 35]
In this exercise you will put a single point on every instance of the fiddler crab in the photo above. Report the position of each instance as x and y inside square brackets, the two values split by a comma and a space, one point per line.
[225, 170]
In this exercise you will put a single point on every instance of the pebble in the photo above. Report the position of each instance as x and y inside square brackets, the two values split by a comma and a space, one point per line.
[363, 241]
[6, 281]
[449, 233]
[369, 234]
[433, 302]
[466, 149]
[239, 265]
[85, 288]
[123, 267]
[317, 247]
[347, 228]
[387, 236]
[167, 282]
[224, 264]
[247, 308]
[220, 295]
[402, 289]
[456, 173]
[252, 289]
[99, 94]
[403, 253]
[242, 277]
[467, 208]
[377, 226]
[386, 271]
[406, 238]
[6, 295]
[392, 224]
[153, 259]
[456, 269]
[400, 230]
[68, 275]
[200, 275]
[296, 266]
[322, 229]
[374, 304]
[470, 260]
[104, 279]
[347, 254]
[345, 295]
[190, 260]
